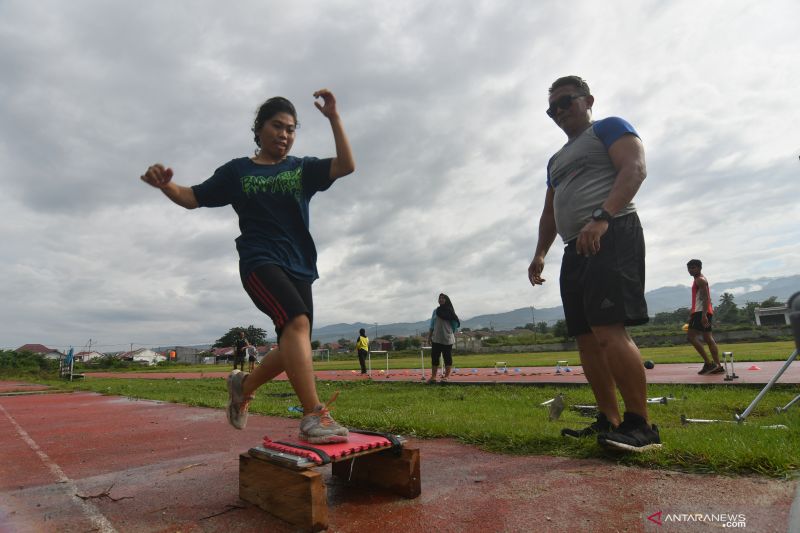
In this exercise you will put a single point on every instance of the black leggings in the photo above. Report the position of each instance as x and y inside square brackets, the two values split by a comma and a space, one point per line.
[278, 295]
[362, 358]
[445, 350]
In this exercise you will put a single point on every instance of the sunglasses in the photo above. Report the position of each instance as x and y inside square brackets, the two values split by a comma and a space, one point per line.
[564, 102]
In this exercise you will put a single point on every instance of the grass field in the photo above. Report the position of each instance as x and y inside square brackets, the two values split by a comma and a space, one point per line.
[510, 419]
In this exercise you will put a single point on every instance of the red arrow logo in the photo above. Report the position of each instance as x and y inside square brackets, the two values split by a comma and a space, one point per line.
[655, 518]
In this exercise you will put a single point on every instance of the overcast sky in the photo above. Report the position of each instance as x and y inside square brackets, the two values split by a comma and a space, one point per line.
[444, 106]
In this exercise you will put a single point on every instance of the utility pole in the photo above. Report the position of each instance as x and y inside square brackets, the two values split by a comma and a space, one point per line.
[533, 319]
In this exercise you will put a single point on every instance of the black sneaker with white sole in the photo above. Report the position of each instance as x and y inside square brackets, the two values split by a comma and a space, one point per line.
[633, 435]
[718, 369]
[707, 367]
[600, 425]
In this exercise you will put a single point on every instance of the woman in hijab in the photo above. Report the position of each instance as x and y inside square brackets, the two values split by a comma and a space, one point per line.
[362, 345]
[441, 336]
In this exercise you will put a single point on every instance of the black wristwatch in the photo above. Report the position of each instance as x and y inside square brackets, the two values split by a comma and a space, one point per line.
[601, 214]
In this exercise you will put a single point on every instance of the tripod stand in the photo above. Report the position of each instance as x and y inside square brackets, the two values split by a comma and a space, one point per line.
[794, 318]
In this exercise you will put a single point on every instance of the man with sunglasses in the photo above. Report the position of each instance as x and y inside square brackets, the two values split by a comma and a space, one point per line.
[591, 183]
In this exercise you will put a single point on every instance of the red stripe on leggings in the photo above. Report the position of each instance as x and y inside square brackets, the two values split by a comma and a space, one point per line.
[267, 299]
[263, 296]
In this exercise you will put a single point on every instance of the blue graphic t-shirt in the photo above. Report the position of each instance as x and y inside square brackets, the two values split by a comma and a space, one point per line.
[272, 204]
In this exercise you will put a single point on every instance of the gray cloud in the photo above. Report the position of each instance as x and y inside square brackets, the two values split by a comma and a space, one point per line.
[444, 104]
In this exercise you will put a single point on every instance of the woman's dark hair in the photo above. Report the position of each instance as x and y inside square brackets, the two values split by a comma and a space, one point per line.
[269, 109]
[695, 263]
[362, 332]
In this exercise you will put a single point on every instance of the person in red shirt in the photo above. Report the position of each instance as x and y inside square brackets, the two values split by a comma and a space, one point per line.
[700, 317]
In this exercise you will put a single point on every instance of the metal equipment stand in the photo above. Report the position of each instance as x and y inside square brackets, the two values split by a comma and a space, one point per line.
[369, 360]
[422, 360]
[727, 364]
[794, 318]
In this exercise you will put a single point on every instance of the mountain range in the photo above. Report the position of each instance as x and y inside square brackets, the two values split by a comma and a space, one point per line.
[659, 300]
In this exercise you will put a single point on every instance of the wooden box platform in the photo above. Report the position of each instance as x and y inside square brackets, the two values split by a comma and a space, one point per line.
[299, 496]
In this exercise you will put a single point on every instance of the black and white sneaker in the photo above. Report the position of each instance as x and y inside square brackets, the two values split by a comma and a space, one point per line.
[718, 369]
[633, 435]
[707, 368]
[600, 425]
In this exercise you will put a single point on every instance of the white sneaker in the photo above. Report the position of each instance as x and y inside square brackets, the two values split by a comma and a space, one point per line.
[237, 403]
[320, 428]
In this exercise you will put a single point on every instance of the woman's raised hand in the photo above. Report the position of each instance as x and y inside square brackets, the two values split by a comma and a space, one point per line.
[157, 175]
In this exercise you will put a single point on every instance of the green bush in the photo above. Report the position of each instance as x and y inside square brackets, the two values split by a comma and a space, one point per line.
[25, 363]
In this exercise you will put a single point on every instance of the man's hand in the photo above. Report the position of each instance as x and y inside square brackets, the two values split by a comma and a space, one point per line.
[328, 106]
[704, 320]
[589, 237]
[157, 175]
[535, 270]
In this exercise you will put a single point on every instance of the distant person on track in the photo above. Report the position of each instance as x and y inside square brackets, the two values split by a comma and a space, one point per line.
[240, 351]
[270, 193]
[441, 337]
[251, 358]
[700, 316]
[362, 346]
[591, 182]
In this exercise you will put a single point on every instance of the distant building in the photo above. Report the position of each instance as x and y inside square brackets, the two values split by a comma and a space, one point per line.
[184, 354]
[226, 354]
[469, 341]
[41, 349]
[772, 316]
[85, 357]
[380, 345]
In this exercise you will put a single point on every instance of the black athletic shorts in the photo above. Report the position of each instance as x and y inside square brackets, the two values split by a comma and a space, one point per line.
[696, 321]
[445, 350]
[607, 288]
[279, 295]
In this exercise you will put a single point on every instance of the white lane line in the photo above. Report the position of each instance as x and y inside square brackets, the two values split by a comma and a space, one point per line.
[100, 522]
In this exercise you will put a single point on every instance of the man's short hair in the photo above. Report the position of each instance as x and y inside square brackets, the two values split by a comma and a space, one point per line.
[577, 81]
[695, 263]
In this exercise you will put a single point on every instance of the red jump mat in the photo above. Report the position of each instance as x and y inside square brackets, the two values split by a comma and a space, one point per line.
[358, 441]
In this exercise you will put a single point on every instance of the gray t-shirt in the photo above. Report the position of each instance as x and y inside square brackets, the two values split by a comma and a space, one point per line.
[582, 175]
[442, 330]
